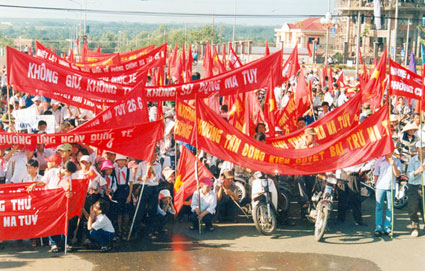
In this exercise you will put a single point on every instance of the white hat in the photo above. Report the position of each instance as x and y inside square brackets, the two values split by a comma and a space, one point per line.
[85, 158]
[164, 193]
[410, 126]
[120, 157]
[167, 172]
[54, 102]
[36, 99]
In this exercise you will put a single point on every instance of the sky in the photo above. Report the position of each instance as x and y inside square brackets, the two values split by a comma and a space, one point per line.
[274, 7]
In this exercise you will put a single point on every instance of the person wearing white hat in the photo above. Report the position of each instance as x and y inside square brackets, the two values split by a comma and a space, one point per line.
[165, 212]
[124, 177]
[407, 141]
[39, 109]
[414, 193]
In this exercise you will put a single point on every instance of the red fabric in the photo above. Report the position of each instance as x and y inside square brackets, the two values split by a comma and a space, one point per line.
[404, 82]
[98, 49]
[352, 147]
[189, 63]
[218, 67]
[302, 94]
[177, 72]
[330, 81]
[42, 214]
[308, 49]
[71, 56]
[267, 51]
[208, 62]
[324, 74]
[364, 74]
[340, 80]
[185, 183]
[270, 107]
[122, 73]
[336, 122]
[234, 61]
[252, 76]
[291, 66]
[373, 90]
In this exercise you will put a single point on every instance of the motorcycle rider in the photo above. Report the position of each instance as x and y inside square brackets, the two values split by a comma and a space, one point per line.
[415, 173]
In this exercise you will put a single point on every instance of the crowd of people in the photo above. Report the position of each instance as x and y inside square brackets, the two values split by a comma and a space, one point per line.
[120, 182]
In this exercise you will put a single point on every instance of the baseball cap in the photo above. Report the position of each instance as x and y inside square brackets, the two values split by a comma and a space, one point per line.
[65, 147]
[54, 158]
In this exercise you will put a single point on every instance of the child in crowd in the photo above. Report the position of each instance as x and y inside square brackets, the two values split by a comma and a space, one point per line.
[32, 172]
[124, 178]
[99, 226]
[165, 211]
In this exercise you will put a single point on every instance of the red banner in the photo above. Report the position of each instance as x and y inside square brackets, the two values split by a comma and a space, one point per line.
[251, 76]
[92, 56]
[185, 121]
[137, 141]
[131, 110]
[40, 213]
[124, 73]
[335, 122]
[404, 82]
[35, 76]
[368, 140]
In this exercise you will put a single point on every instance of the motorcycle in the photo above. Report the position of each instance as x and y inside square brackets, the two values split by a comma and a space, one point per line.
[322, 202]
[264, 204]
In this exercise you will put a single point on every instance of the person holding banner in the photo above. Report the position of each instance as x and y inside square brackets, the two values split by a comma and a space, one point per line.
[54, 179]
[414, 193]
[208, 204]
[386, 169]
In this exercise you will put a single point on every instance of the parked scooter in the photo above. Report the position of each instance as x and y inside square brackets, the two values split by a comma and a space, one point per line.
[264, 204]
[322, 202]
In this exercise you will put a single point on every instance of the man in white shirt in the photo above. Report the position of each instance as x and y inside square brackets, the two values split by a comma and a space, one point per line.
[342, 97]
[17, 164]
[203, 205]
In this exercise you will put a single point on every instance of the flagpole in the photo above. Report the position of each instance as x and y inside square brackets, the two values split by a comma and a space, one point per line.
[66, 224]
[392, 176]
[137, 209]
[421, 158]
[196, 164]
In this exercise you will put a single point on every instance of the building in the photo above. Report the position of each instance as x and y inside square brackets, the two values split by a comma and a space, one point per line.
[309, 29]
[399, 33]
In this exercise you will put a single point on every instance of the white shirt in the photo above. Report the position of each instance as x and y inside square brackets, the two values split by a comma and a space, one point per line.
[53, 181]
[121, 174]
[40, 157]
[208, 202]
[328, 98]
[141, 172]
[28, 178]
[111, 182]
[16, 168]
[341, 99]
[103, 223]
[58, 120]
[95, 179]
[66, 115]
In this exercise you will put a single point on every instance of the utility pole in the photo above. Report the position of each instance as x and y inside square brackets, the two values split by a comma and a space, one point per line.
[234, 25]
[358, 43]
[395, 31]
[407, 42]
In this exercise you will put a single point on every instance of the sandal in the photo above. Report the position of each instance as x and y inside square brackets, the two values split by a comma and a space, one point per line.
[34, 243]
[54, 249]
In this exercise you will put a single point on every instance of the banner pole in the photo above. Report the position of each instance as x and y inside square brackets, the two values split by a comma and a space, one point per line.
[392, 172]
[137, 209]
[196, 164]
[421, 158]
[66, 225]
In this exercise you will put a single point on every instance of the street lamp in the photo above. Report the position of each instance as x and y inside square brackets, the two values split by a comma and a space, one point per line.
[327, 22]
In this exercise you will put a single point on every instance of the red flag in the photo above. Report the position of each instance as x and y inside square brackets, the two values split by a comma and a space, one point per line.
[172, 60]
[302, 95]
[71, 56]
[373, 90]
[365, 74]
[98, 49]
[178, 70]
[189, 63]
[340, 80]
[267, 51]
[78, 44]
[208, 62]
[185, 183]
[253, 112]
[291, 66]
[218, 67]
[330, 81]
[234, 61]
[236, 115]
[308, 48]
[54, 52]
[160, 76]
[159, 114]
[85, 50]
[183, 60]
[324, 74]
[223, 56]
[270, 107]
[30, 51]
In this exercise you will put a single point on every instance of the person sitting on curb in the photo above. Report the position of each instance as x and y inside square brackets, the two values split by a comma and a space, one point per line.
[99, 226]
[208, 202]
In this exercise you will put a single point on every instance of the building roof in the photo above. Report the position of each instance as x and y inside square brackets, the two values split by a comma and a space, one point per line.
[309, 24]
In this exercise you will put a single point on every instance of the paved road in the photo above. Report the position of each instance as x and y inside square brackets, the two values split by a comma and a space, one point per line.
[240, 247]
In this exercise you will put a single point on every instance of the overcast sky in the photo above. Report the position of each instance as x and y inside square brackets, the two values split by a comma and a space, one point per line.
[275, 7]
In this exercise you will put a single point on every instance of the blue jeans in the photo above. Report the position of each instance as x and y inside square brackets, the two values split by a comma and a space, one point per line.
[103, 238]
[381, 196]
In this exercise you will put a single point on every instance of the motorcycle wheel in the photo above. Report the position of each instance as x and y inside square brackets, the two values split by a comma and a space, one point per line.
[400, 203]
[321, 222]
[265, 225]
[241, 191]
